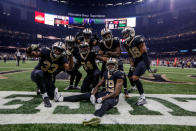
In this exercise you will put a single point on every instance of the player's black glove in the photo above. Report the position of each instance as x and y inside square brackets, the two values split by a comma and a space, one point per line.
[32, 47]
[132, 69]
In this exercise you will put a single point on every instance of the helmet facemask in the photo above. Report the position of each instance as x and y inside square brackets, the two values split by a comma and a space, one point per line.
[70, 42]
[87, 34]
[84, 50]
[58, 49]
[128, 35]
[87, 37]
[107, 38]
[112, 65]
[57, 52]
[70, 45]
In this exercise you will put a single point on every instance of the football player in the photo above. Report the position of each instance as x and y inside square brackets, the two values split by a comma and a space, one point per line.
[110, 47]
[87, 59]
[90, 38]
[73, 48]
[139, 61]
[50, 61]
[113, 79]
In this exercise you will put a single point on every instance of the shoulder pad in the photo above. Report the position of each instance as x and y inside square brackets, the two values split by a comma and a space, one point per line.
[140, 39]
[119, 74]
[101, 41]
[48, 48]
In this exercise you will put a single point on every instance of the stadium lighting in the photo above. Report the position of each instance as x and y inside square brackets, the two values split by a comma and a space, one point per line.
[140, 1]
[63, 1]
[151, 1]
[109, 4]
[127, 3]
[118, 3]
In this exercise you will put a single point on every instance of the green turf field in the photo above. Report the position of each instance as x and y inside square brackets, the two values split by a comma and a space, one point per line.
[21, 82]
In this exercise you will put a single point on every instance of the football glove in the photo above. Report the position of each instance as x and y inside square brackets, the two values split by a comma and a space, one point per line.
[92, 99]
[99, 100]
[35, 47]
[152, 70]
[32, 47]
[132, 68]
[68, 53]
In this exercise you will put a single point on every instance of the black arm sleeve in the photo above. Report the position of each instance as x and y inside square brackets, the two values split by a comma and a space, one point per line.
[146, 60]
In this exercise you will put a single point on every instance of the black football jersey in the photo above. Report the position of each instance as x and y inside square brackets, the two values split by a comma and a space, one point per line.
[76, 52]
[49, 65]
[115, 44]
[110, 80]
[88, 63]
[133, 48]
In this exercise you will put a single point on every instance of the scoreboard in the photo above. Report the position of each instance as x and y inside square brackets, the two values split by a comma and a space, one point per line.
[120, 23]
[116, 23]
[57, 20]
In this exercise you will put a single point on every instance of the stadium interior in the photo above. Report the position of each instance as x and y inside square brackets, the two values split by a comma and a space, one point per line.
[169, 28]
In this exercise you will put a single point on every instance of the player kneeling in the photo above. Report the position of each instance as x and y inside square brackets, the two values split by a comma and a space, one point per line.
[113, 79]
[49, 63]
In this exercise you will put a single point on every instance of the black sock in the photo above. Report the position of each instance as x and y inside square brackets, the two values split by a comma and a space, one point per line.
[78, 77]
[125, 83]
[139, 86]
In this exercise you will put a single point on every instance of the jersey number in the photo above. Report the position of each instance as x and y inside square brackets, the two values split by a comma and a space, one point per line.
[110, 85]
[51, 68]
[135, 52]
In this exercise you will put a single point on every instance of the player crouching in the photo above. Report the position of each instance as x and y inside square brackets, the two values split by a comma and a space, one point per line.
[113, 79]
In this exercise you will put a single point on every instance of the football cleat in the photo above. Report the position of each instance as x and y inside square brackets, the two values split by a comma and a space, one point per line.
[141, 101]
[77, 87]
[58, 98]
[47, 102]
[56, 95]
[92, 122]
[69, 87]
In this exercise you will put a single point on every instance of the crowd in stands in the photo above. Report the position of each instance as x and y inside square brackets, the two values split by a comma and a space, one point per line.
[178, 61]
[184, 62]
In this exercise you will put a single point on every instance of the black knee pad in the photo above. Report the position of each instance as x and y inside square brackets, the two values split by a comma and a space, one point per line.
[78, 74]
[37, 75]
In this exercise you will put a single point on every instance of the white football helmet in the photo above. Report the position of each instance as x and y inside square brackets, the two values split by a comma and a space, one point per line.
[128, 33]
[112, 65]
[70, 42]
[58, 49]
[87, 33]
